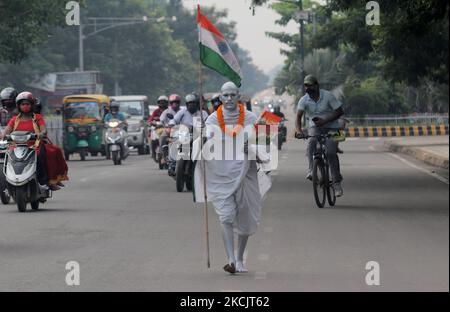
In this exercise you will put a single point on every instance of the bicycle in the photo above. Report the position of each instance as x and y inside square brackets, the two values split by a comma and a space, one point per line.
[322, 184]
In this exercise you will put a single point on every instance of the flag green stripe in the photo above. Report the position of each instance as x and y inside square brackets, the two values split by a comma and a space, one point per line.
[215, 61]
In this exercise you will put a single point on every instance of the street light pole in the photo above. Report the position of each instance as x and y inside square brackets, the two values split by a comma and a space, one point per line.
[104, 23]
[302, 48]
[80, 49]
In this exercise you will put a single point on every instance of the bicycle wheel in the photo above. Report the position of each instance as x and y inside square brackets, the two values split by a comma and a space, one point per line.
[319, 184]
[331, 195]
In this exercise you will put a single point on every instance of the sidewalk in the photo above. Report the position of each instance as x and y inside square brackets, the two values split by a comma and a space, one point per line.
[431, 149]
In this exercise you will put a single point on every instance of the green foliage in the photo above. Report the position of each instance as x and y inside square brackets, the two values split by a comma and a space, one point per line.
[26, 23]
[149, 58]
[371, 97]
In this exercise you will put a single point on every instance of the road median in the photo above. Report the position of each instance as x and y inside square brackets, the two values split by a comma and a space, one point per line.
[431, 150]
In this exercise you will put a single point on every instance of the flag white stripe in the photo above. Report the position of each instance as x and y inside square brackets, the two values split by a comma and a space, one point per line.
[209, 40]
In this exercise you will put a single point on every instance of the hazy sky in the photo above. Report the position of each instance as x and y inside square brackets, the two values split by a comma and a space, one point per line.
[251, 29]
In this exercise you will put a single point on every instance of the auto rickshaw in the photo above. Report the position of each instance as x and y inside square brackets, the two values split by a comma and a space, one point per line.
[83, 124]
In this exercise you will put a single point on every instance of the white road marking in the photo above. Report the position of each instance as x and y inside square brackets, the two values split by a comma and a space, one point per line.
[268, 229]
[410, 164]
[260, 275]
[263, 257]
[434, 175]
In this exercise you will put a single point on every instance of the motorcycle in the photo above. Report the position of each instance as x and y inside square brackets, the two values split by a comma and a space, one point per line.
[116, 141]
[184, 165]
[282, 134]
[4, 193]
[20, 171]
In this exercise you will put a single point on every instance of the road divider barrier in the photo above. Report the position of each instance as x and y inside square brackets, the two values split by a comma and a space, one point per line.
[396, 131]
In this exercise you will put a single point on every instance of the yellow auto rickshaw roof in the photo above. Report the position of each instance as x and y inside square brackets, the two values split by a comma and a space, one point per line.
[101, 98]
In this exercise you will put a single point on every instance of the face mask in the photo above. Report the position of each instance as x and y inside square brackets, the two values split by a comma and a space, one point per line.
[311, 90]
[25, 109]
[192, 109]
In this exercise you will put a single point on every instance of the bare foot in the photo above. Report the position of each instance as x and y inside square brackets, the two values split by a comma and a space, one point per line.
[240, 267]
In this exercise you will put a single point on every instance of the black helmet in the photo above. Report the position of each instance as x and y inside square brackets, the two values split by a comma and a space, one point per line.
[38, 106]
[8, 98]
[215, 101]
[114, 107]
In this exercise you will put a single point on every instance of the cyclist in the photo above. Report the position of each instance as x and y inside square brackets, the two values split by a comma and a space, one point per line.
[323, 111]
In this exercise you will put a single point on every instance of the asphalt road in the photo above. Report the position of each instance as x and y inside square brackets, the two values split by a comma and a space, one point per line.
[130, 231]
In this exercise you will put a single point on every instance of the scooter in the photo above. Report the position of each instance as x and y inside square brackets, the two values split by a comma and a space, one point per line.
[116, 139]
[4, 193]
[20, 171]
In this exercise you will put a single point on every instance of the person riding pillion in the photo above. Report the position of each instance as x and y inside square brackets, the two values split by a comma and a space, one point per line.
[186, 116]
[323, 110]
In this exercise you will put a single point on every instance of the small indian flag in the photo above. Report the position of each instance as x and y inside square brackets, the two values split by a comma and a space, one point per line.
[215, 52]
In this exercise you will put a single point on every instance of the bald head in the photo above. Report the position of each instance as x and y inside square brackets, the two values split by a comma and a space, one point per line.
[229, 95]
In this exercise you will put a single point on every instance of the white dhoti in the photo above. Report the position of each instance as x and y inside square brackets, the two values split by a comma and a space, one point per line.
[233, 189]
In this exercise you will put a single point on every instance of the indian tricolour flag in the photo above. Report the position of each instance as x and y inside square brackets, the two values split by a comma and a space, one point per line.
[215, 52]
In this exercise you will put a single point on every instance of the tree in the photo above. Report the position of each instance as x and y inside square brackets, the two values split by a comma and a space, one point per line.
[24, 24]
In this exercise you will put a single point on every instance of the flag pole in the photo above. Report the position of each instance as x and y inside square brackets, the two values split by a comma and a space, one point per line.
[200, 83]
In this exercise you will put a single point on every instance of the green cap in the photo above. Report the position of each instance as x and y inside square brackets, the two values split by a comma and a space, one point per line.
[310, 79]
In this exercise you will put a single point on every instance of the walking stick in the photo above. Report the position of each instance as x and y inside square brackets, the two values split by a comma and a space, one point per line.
[208, 261]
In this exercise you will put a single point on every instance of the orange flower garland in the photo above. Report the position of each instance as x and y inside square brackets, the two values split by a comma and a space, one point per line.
[240, 123]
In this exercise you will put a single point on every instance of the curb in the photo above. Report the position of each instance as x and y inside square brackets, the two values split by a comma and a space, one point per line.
[425, 156]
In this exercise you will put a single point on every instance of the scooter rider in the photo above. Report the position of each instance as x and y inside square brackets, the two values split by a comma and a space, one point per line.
[8, 108]
[25, 102]
[114, 113]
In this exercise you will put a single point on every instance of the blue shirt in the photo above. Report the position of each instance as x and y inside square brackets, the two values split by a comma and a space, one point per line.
[323, 108]
[120, 116]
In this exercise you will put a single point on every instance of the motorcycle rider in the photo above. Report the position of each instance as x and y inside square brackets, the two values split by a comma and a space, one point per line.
[186, 116]
[163, 104]
[166, 117]
[172, 110]
[215, 101]
[323, 111]
[8, 108]
[282, 128]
